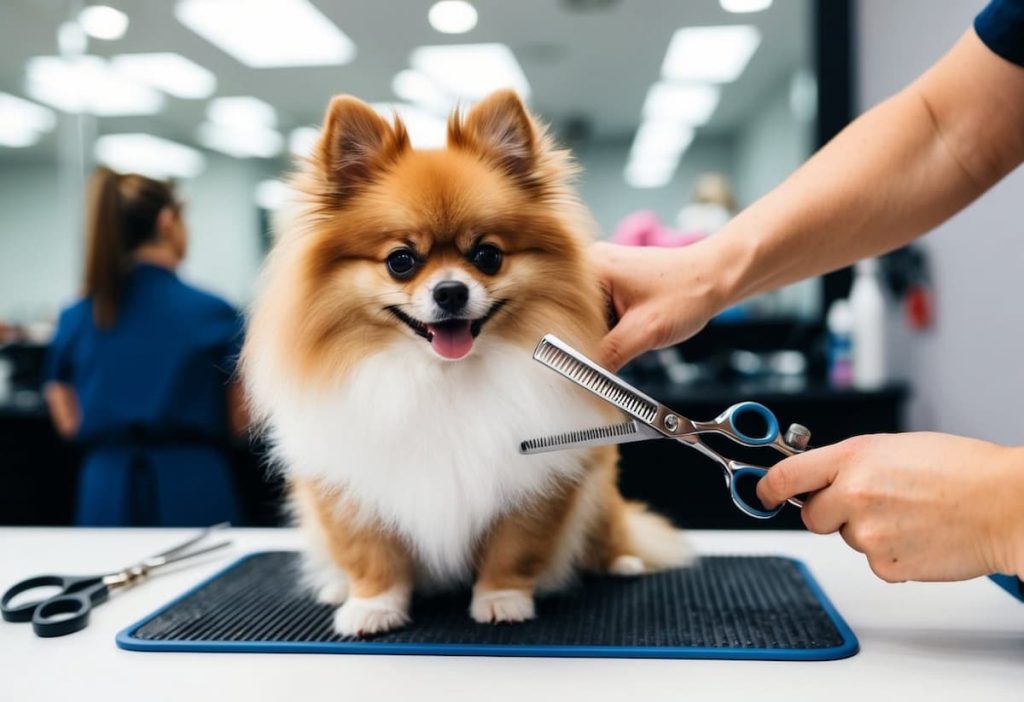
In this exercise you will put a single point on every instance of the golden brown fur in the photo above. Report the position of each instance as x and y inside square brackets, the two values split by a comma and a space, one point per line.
[324, 310]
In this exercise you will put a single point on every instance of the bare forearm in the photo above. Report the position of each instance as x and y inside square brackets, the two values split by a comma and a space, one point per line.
[893, 174]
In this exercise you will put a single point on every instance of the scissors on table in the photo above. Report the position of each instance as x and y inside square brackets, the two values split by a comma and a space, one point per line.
[68, 610]
[653, 420]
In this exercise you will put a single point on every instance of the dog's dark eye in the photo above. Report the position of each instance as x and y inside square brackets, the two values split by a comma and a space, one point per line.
[401, 263]
[486, 257]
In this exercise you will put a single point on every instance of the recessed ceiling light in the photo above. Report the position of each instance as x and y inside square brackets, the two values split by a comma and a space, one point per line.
[23, 123]
[744, 6]
[426, 129]
[710, 54]
[655, 153]
[102, 22]
[689, 104]
[243, 111]
[471, 71]
[240, 142]
[452, 16]
[268, 33]
[302, 140]
[148, 155]
[172, 73]
[88, 84]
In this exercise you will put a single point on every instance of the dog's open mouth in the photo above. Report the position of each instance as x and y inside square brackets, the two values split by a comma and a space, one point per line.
[450, 338]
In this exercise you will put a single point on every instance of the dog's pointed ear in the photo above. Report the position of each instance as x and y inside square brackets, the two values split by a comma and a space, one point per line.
[356, 144]
[500, 129]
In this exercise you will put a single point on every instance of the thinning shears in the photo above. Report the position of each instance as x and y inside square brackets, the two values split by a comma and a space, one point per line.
[68, 610]
[653, 420]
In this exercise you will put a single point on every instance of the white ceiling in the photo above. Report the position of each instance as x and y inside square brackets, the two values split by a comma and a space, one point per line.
[594, 65]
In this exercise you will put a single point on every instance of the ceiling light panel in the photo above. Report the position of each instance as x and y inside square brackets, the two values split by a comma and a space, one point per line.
[88, 84]
[426, 129]
[240, 142]
[102, 22]
[149, 155]
[744, 6]
[452, 16]
[302, 140]
[172, 73]
[691, 104]
[471, 71]
[242, 111]
[710, 54]
[23, 123]
[268, 33]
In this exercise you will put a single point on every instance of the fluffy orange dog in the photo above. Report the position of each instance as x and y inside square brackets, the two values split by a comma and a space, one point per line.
[389, 357]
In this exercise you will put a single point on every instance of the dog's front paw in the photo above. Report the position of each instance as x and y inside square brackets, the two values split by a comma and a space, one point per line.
[627, 566]
[362, 616]
[492, 606]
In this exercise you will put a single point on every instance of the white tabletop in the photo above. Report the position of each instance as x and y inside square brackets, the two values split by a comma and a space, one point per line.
[922, 641]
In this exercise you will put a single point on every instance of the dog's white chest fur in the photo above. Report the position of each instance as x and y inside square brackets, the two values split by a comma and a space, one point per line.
[431, 447]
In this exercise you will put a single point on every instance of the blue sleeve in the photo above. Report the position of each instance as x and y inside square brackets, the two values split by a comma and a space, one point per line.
[1001, 27]
[230, 334]
[58, 366]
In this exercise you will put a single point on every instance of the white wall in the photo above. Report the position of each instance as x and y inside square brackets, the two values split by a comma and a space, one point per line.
[967, 374]
[41, 237]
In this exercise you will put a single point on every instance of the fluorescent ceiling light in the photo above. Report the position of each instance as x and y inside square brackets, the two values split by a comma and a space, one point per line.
[172, 73]
[240, 142]
[640, 176]
[102, 22]
[419, 89]
[743, 6]
[302, 140]
[148, 155]
[689, 104]
[710, 54]
[471, 71]
[452, 16]
[71, 39]
[660, 141]
[272, 194]
[241, 112]
[88, 84]
[23, 123]
[426, 130]
[268, 33]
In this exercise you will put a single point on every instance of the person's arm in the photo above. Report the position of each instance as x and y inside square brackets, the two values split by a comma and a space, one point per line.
[64, 409]
[920, 506]
[894, 173]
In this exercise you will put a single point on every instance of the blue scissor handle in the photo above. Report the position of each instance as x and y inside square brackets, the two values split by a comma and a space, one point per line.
[744, 473]
[733, 414]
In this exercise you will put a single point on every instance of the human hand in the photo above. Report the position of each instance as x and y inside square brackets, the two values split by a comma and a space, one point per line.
[920, 506]
[661, 296]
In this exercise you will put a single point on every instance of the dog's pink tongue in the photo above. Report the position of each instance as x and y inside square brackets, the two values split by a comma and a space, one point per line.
[451, 340]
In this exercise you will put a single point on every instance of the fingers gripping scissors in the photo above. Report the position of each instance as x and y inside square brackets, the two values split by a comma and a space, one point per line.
[68, 610]
[653, 420]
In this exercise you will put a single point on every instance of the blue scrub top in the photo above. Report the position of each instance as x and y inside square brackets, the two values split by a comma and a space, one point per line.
[153, 396]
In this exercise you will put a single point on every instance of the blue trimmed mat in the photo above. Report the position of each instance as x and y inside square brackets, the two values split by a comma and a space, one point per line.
[736, 607]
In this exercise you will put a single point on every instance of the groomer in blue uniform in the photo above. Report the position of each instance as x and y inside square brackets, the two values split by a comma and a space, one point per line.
[920, 506]
[140, 370]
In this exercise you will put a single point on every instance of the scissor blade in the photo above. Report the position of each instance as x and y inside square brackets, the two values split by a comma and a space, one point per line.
[570, 363]
[598, 436]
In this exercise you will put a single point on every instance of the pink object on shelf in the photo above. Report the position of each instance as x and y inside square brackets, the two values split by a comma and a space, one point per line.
[644, 228]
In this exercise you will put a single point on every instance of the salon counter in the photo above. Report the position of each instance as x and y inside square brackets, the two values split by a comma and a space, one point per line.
[952, 641]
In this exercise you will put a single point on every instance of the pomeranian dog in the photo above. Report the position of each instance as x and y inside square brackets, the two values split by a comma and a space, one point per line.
[389, 357]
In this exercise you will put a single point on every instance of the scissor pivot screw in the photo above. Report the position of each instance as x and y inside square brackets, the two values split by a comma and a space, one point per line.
[671, 422]
[797, 436]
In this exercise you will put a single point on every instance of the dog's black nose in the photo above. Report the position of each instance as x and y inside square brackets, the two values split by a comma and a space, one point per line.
[451, 296]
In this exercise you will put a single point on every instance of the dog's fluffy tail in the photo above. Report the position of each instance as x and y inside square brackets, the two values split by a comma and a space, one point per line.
[653, 538]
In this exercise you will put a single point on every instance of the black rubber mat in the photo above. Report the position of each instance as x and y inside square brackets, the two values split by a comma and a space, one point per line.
[726, 607]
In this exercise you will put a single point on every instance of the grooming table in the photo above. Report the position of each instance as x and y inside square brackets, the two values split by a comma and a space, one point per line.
[729, 607]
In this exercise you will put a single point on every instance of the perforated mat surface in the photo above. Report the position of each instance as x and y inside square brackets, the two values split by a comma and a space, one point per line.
[726, 607]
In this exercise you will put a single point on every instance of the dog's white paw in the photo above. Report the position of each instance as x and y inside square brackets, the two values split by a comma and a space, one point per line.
[627, 566]
[334, 592]
[492, 606]
[362, 616]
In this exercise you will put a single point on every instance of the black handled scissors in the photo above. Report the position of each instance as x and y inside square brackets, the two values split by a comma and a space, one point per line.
[68, 610]
[653, 420]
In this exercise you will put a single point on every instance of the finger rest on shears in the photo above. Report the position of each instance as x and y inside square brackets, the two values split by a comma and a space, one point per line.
[23, 612]
[760, 415]
[64, 614]
[749, 476]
